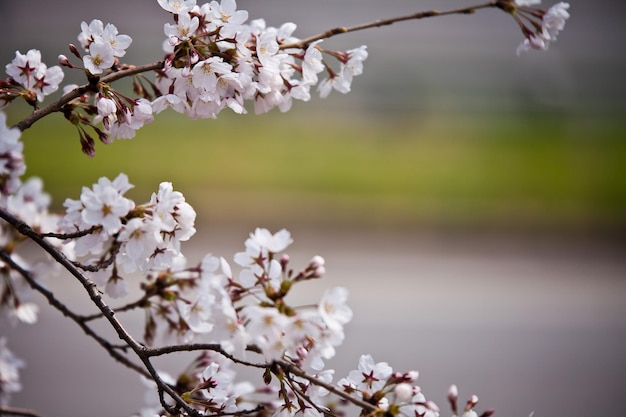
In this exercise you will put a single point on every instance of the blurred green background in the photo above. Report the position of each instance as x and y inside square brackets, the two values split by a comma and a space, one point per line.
[539, 172]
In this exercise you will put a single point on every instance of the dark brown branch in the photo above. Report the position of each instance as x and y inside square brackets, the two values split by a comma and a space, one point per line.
[54, 302]
[79, 91]
[75, 235]
[109, 314]
[303, 43]
[215, 347]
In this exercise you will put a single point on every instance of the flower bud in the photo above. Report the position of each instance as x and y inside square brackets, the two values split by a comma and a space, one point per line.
[471, 403]
[64, 62]
[453, 395]
[317, 261]
[74, 51]
[403, 392]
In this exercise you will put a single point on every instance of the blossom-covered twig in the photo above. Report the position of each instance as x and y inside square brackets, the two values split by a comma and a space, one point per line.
[58, 104]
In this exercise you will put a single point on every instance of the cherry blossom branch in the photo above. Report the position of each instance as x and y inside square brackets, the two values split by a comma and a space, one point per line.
[58, 104]
[109, 314]
[303, 43]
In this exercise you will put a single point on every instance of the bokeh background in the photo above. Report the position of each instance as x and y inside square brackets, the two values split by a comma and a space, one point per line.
[473, 201]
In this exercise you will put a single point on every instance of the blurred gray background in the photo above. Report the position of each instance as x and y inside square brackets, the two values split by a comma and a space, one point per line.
[527, 323]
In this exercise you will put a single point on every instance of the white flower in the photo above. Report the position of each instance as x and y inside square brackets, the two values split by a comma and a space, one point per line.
[104, 205]
[183, 29]
[369, 377]
[140, 240]
[90, 32]
[275, 243]
[266, 49]
[205, 73]
[226, 16]
[32, 74]
[49, 82]
[101, 57]
[333, 308]
[119, 43]
[24, 68]
[312, 63]
[197, 314]
[177, 6]
[354, 66]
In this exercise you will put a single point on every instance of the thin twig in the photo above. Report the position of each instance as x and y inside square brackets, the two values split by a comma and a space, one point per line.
[292, 369]
[215, 347]
[127, 307]
[54, 302]
[303, 43]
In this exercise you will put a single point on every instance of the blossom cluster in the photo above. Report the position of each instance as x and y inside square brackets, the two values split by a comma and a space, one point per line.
[122, 237]
[216, 60]
[541, 26]
[103, 43]
[211, 303]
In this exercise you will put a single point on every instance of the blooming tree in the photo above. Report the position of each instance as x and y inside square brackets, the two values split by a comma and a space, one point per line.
[230, 312]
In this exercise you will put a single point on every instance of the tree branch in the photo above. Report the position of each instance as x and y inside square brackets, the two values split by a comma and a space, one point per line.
[109, 314]
[215, 347]
[303, 43]
[292, 369]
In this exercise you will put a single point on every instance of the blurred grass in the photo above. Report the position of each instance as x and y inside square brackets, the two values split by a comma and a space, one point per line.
[518, 170]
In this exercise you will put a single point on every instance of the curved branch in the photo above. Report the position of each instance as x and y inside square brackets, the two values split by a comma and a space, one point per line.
[96, 298]
[215, 347]
[303, 43]
[54, 302]
[79, 91]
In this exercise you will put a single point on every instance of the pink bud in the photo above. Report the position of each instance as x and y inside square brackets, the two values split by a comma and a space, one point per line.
[412, 376]
[64, 62]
